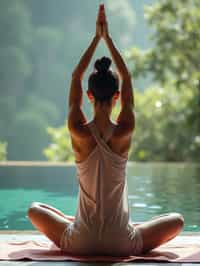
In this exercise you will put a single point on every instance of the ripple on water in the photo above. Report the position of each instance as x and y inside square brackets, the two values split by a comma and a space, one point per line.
[155, 207]
[193, 226]
[139, 205]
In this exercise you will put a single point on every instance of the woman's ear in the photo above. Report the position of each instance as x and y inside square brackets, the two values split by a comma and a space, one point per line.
[90, 96]
[116, 95]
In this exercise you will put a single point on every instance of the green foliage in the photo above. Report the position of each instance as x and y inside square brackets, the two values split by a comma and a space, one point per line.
[174, 58]
[16, 36]
[60, 148]
[162, 132]
[3, 151]
[172, 131]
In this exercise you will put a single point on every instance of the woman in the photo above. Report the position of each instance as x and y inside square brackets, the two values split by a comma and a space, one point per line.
[101, 225]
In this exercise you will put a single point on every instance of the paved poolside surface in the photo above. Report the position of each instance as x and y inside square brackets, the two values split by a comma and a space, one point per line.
[66, 263]
[27, 235]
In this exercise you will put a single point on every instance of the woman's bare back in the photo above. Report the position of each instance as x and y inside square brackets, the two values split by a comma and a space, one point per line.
[117, 143]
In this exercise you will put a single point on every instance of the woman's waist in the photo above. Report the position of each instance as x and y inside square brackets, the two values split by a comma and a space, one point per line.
[95, 226]
[110, 217]
[103, 240]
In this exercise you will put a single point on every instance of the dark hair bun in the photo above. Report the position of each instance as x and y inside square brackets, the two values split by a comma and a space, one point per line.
[102, 65]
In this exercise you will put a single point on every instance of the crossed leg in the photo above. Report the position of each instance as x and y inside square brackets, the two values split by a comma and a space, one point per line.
[49, 220]
[155, 232]
[160, 229]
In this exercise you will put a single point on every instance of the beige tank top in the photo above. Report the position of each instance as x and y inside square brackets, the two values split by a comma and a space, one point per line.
[102, 198]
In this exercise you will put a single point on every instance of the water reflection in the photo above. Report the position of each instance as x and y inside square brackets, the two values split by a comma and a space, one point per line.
[166, 188]
[153, 189]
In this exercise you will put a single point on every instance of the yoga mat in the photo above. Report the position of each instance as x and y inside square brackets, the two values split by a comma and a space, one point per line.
[179, 249]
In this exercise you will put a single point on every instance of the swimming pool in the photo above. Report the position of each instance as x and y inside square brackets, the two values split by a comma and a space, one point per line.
[153, 189]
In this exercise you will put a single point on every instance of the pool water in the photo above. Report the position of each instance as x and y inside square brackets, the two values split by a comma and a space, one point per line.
[152, 190]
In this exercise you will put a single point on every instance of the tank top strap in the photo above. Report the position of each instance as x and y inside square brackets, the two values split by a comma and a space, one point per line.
[95, 132]
[102, 142]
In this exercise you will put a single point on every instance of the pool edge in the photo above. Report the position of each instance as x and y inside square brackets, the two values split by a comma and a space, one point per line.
[34, 232]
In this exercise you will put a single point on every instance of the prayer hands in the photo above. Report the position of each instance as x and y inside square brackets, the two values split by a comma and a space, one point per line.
[101, 23]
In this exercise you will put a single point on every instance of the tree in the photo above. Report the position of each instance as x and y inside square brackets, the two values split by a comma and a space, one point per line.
[15, 29]
[162, 132]
[173, 64]
[23, 114]
[173, 60]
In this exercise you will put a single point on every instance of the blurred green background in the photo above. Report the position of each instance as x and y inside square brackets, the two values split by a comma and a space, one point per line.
[41, 43]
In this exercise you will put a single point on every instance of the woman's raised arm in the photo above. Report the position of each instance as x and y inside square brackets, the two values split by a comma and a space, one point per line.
[75, 94]
[85, 59]
[120, 64]
[127, 96]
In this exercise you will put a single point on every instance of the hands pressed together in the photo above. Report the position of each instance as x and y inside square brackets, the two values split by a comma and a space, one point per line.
[101, 23]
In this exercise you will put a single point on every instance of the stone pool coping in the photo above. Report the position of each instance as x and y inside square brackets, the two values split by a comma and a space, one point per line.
[34, 232]
[18, 235]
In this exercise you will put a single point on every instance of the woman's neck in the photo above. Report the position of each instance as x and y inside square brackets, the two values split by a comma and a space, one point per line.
[102, 114]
